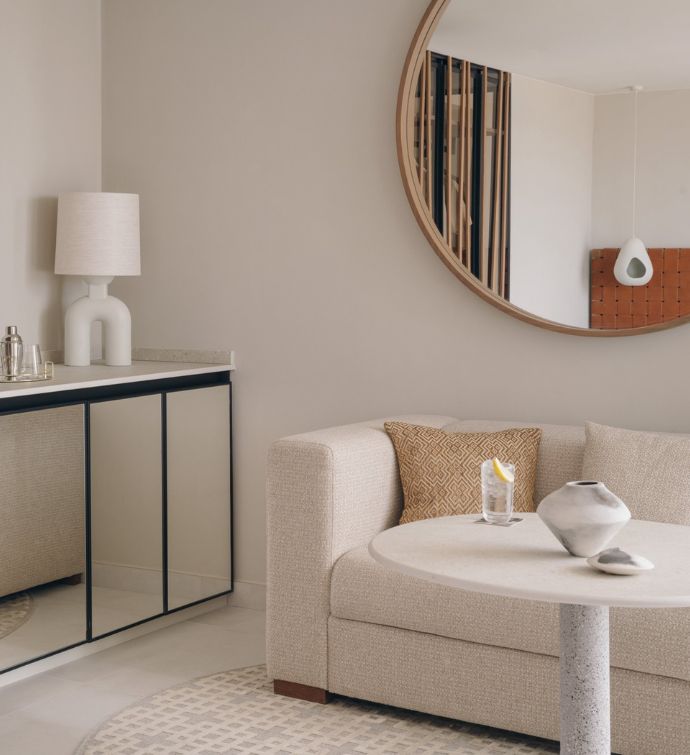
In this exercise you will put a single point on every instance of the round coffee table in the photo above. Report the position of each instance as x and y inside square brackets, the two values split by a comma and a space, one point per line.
[526, 561]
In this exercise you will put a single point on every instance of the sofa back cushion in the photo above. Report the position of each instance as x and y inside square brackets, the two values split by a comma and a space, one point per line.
[649, 471]
[560, 451]
[440, 470]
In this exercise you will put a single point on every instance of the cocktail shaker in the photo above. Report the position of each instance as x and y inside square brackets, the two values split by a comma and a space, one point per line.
[11, 352]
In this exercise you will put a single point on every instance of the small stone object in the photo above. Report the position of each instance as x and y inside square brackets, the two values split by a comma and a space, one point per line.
[618, 561]
[584, 516]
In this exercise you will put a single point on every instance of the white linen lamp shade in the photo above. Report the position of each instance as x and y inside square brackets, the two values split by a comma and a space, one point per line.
[97, 234]
[97, 239]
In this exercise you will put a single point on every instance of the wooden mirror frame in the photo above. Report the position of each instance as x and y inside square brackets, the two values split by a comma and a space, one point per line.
[405, 142]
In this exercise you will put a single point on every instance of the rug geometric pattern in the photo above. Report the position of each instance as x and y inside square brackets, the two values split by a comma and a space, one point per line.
[236, 712]
[14, 611]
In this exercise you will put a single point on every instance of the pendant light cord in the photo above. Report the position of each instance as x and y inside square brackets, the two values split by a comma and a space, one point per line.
[636, 91]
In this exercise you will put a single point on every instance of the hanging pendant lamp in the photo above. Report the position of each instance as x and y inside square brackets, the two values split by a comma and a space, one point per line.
[633, 266]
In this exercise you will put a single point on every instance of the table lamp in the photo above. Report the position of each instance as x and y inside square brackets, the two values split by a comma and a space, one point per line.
[97, 239]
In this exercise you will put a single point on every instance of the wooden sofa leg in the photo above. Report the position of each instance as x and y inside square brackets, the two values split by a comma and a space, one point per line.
[301, 691]
[75, 579]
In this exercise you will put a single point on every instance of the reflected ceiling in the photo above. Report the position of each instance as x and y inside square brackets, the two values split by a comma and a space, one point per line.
[628, 42]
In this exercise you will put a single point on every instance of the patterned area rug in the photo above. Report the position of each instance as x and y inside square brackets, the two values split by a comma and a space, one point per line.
[14, 611]
[236, 712]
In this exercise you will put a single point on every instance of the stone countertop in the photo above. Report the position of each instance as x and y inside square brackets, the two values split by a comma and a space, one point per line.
[75, 378]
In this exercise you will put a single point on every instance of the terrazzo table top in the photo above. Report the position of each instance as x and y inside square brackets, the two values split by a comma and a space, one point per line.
[526, 561]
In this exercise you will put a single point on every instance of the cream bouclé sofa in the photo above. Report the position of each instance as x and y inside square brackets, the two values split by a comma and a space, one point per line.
[340, 622]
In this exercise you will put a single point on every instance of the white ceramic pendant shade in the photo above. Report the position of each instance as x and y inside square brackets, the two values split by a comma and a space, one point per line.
[633, 266]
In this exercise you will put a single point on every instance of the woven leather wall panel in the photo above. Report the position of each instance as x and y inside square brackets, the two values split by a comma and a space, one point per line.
[665, 297]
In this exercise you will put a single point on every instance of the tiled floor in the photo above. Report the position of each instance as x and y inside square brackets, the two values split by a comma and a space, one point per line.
[51, 713]
[58, 618]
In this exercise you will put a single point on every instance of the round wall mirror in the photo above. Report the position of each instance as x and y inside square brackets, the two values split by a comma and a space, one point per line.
[544, 151]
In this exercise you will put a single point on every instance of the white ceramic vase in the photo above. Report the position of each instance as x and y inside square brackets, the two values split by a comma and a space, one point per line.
[584, 516]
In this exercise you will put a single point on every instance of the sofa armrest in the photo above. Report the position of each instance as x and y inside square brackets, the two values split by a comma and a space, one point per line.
[327, 492]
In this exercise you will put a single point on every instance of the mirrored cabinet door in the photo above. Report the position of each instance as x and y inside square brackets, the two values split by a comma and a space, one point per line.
[126, 511]
[199, 543]
[42, 537]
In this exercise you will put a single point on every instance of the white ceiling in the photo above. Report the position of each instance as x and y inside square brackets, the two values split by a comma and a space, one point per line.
[593, 45]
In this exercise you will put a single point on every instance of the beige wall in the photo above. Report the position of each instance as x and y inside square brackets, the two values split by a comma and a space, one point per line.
[261, 138]
[551, 199]
[663, 178]
[50, 137]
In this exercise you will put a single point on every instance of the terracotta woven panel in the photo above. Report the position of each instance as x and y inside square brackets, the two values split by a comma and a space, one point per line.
[665, 297]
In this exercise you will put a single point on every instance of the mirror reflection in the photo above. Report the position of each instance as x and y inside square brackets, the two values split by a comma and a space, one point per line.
[42, 539]
[157, 522]
[551, 151]
[126, 511]
[199, 548]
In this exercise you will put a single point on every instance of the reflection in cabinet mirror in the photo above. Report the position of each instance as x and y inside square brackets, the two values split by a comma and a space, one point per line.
[42, 560]
[126, 511]
[198, 494]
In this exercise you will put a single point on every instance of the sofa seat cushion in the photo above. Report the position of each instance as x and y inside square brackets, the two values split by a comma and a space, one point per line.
[653, 641]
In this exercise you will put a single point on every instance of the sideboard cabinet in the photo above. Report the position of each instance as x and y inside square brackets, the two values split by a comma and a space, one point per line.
[116, 500]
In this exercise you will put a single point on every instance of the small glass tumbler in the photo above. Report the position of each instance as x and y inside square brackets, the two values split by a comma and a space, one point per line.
[33, 361]
[497, 495]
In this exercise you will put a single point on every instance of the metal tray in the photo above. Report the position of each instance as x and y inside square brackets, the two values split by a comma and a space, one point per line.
[28, 377]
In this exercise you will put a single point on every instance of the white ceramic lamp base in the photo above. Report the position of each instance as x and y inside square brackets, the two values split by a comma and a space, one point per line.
[117, 326]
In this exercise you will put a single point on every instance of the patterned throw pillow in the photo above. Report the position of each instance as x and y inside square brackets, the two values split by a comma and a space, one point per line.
[441, 471]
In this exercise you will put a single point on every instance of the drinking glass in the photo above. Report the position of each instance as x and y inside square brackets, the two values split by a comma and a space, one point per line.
[33, 361]
[497, 495]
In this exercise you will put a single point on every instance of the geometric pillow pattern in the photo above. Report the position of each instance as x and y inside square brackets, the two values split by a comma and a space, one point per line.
[440, 471]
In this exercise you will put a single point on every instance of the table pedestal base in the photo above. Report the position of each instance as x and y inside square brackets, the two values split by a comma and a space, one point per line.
[585, 683]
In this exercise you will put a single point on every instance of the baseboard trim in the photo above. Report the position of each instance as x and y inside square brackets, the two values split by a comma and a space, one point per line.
[248, 595]
[188, 586]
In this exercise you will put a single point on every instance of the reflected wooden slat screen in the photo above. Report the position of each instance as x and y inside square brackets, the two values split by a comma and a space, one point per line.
[448, 151]
[466, 145]
[505, 174]
[496, 189]
[461, 212]
[480, 214]
[427, 115]
[462, 153]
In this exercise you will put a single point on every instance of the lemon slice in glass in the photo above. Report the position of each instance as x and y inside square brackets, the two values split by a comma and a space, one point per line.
[503, 474]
